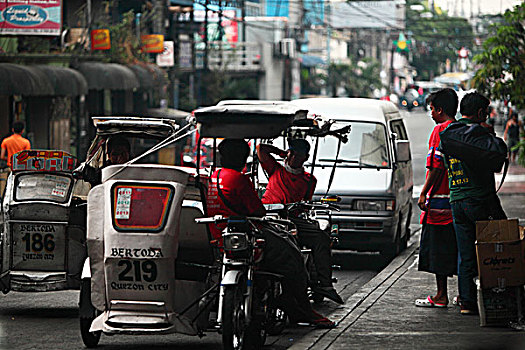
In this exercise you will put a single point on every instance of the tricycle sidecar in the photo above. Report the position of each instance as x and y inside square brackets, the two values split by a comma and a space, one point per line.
[43, 236]
[150, 268]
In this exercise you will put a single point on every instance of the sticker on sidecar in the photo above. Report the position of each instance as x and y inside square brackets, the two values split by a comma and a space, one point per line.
[123, 203]
[38, 246]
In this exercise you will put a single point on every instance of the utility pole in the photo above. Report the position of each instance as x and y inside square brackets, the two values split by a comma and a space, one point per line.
[328, 37]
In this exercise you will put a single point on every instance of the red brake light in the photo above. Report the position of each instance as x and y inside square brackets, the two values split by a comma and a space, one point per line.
[140, 207]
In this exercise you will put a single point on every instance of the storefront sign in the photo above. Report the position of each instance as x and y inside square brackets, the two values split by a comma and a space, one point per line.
[31, 17]
[166, 58]
[152, 43]
[100, 39]
[185, 57]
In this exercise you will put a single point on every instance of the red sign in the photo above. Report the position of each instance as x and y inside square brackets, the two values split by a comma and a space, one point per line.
[153, 43]
[34, 160]
[31, 17]
[100, 39]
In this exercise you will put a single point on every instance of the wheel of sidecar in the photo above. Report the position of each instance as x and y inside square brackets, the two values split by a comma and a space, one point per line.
[90, 339]
[87, 315]
[233, 319]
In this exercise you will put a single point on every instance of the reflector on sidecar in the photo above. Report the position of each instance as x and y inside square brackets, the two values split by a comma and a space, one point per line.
[331, 199]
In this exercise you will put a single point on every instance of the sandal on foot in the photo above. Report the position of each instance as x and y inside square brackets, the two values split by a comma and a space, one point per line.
[428, 302]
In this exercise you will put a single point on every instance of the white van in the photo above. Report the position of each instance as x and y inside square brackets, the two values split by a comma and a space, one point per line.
[373, 174]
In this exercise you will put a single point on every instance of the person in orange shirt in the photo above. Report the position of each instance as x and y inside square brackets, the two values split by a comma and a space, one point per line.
[14, 143]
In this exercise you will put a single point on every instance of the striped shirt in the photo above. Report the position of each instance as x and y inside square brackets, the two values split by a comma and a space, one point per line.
[440, 212]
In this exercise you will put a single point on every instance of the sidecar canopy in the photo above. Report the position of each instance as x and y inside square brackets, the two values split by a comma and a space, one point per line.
[247, 120]
[147, 127]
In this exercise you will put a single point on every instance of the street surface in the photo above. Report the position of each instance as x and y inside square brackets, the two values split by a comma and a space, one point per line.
[50, 320]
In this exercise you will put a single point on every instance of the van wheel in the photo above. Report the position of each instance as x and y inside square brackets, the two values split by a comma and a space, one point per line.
[391, 250]
[87, 315]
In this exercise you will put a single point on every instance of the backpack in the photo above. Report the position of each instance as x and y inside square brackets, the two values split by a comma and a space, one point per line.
[475, 145]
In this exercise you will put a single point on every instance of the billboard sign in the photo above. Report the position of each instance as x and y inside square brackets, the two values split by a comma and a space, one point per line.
[100, 39]
[31, 17]
[152, 43]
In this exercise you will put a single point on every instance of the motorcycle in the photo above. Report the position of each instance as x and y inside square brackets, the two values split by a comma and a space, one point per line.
[248, 298]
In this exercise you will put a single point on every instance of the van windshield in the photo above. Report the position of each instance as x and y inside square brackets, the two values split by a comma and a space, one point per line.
[366, 147]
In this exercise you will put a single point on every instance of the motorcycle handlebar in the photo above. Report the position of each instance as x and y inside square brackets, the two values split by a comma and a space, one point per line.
[217, 219]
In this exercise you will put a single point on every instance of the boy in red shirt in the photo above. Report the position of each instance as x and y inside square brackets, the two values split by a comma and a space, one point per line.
[438, 252]
[289, 183]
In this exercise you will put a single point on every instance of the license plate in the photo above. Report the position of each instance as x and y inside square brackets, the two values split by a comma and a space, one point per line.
[38, 246]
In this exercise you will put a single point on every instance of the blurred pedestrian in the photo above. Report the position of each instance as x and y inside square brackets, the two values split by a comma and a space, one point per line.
[473, 198]
[14, 143]
[512, 135]
[438, 253]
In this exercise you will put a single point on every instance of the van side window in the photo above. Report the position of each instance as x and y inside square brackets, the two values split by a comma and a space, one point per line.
[398, 127]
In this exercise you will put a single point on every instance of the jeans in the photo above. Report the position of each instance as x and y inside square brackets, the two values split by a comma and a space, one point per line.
[319, 242]
[465, 213]
[282, 256]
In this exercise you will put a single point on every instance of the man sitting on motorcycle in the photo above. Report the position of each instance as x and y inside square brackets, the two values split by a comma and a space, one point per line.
[290, 184]
[236, 196]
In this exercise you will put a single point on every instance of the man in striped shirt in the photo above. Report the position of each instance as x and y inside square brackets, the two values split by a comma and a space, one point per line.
[438, 249]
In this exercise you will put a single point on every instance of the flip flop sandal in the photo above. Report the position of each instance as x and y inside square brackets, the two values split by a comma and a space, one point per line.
[428, 302]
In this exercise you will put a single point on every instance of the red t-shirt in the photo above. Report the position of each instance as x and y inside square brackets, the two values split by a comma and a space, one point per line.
[440, 212]
[240, 194]
[285, 187]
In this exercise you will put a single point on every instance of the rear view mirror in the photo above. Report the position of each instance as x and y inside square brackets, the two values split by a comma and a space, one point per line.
[402, 150]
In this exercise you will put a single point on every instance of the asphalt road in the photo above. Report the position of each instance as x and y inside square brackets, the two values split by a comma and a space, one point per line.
[50, 320]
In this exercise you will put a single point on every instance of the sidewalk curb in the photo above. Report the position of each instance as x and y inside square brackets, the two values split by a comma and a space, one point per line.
[360, 301]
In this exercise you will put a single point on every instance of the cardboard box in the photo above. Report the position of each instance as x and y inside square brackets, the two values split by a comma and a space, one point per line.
[500, 307]
[501, 253]
[497, 230]
[500, 264]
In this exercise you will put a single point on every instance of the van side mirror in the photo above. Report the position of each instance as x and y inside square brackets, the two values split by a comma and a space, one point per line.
[402, 148]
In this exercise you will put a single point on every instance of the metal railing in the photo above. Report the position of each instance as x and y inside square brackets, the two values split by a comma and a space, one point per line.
[230, 56]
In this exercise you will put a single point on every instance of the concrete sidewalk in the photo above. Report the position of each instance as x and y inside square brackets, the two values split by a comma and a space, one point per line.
[382, 315]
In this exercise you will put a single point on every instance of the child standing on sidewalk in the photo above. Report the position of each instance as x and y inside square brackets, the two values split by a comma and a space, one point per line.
[438, 252]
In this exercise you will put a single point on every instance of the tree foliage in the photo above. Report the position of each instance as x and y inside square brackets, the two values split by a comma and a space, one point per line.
[501, 74]
[358, 80]
[437, 38]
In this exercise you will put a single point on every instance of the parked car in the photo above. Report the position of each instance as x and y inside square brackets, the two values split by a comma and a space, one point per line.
[373, 173]
[417, 93]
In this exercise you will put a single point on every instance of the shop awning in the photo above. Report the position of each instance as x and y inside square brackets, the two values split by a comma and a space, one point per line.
[149, 75]
[311, 61]
[111, 76]
[65, 81]
[16, 79]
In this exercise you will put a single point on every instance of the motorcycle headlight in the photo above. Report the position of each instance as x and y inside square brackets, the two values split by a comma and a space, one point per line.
[235, 241]
[323, 224]
[375, 205]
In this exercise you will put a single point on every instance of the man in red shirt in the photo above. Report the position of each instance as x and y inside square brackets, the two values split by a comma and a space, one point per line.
[438, 251]
[237, 196]
[289, 183]
[14, 143]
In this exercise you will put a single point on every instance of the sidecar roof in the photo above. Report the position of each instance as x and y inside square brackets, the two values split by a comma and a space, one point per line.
[261, 119]
[148, 127]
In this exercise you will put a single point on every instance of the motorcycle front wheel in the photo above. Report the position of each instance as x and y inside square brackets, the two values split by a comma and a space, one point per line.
[233, 318]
